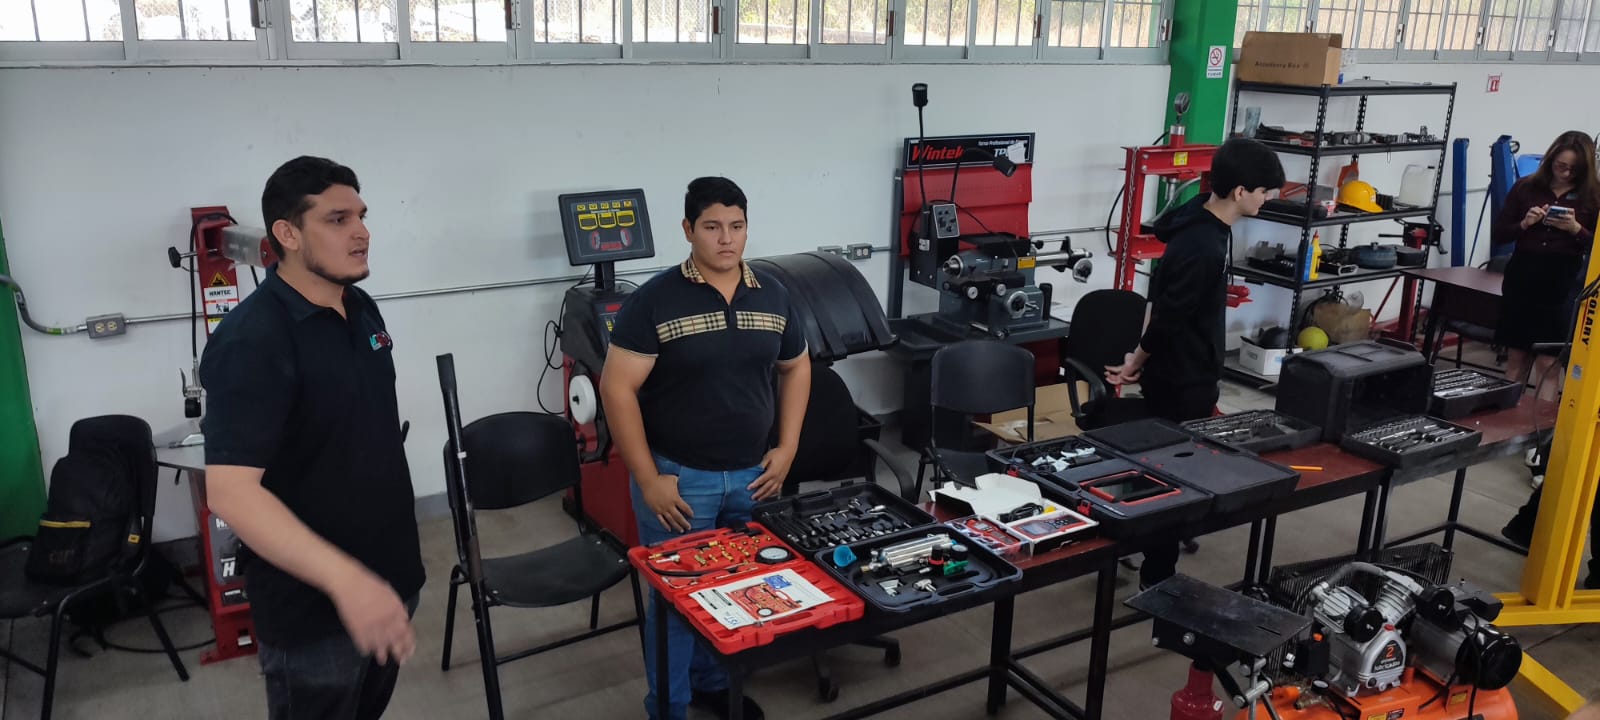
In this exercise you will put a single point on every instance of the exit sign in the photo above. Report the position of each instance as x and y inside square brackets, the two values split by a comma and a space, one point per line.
[1494, 84]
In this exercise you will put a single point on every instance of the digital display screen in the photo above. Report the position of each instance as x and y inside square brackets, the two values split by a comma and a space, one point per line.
[607, 226]
[1128, 487]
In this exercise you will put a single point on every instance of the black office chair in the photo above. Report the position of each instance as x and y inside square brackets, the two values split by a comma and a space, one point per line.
[508, 460]
[127, 443]
[1106, 325]
[1465, 331]
[974, 377]
[832, 449]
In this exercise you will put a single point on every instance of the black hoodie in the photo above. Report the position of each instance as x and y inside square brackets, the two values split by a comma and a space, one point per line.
[1188, 298]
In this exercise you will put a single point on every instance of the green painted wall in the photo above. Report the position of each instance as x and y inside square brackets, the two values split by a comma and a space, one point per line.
[21, 471]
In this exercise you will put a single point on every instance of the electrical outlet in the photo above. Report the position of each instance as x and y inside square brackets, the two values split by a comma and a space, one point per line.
[835, 249]
[861, 251]
[104, 326]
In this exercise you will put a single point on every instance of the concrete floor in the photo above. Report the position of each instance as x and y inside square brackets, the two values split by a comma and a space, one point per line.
[603, 678]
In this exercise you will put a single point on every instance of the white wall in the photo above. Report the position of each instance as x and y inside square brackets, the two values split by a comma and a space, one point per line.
[461, 167]
[1530, 106]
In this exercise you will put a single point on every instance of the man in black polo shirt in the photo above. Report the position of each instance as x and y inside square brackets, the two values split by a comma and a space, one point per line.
[688, 393]
[304, 458]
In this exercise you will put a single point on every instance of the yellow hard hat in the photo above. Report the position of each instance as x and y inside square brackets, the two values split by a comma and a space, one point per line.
[1360, 195]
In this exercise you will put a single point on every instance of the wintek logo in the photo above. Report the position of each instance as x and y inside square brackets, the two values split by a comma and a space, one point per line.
[923, 153]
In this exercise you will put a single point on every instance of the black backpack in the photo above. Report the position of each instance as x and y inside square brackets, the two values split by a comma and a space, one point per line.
[92, 518]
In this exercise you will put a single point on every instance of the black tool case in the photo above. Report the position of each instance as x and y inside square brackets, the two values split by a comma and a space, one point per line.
[1371, 442]
[1458, 393]
[1258, 431]
[1353, 386]
[1126, 499]
[985, 572]
[1235, 478]
[826, 518]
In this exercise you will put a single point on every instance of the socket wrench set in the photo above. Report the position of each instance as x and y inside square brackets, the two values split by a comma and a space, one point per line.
[1234, 478]
[1459, 393]
[1258, 431]
[1410, 440]
[844, 514]
[917, 568]
[1125, 499]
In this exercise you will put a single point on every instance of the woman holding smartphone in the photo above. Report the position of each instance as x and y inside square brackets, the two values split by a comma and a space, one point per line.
[1551, 216]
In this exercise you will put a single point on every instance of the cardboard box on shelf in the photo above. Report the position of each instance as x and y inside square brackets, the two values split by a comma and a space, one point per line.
[1263, 361]
[1052, 416]
[1290, 58]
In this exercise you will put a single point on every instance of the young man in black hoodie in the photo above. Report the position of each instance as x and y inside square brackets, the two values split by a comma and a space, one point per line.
[1178, 362]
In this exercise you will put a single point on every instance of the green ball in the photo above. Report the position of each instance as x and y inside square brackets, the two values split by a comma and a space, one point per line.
[1313, 338]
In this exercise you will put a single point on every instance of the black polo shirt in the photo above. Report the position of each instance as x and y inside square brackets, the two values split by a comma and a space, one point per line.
[709, 403]
[309, 396]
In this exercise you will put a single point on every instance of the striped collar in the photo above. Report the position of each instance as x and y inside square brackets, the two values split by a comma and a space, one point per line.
[692, 273]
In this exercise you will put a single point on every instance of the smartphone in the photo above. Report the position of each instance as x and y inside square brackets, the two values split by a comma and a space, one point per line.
[1556, 212]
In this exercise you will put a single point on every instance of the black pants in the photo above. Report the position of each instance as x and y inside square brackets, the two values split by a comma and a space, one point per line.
[1177, 403]
[1521, 524]
[327, 679]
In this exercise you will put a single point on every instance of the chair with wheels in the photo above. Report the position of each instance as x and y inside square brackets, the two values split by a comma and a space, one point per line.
[836, 445]
[508, 460]
[1106, 325]
[973, 377]
[123, 446]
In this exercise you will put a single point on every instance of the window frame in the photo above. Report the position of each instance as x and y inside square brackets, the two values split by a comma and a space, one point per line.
[274, 44]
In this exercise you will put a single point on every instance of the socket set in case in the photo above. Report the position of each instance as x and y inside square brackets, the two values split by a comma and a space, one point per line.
[1460, 392]
[1258, 431]
[916, 568]
[1410, 441]
[844, 514]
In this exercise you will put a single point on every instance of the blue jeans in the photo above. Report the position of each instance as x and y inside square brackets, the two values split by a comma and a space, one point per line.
[717, 499]
[327, 679]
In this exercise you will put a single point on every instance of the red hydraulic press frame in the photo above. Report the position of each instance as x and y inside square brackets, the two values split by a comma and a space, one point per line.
[219, 289]
[1177, 162]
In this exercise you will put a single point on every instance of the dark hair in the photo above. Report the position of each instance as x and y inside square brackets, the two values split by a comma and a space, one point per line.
[1244, 163]
[1585, 182]
[286, 196]
[707, 191]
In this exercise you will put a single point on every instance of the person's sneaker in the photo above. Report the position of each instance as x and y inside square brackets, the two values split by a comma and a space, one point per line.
[716, 703]
[1537, 481]
[1531, 457]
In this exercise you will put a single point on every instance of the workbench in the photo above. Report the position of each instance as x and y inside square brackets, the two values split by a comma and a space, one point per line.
[1505, 432]
[1463, 294]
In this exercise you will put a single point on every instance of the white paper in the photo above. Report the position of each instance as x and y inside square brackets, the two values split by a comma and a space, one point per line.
[760, 598]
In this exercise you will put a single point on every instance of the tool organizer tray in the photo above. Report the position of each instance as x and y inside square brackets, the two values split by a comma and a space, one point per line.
[1390, 442]
[1234, 478]
[1258, 431]
[716, 558]
[820, 520]
[983, 573]
[1458, 393]
[1126, 499]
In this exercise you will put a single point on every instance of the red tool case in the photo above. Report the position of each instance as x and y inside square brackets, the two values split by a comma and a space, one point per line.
[726, 555]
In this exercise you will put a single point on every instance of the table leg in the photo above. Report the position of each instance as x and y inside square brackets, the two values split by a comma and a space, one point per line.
[1364, 533]
[1455, 508]
[1100, 642]
[735, 694]
[1000, 653]
[1252, 553]
[663, 666]
[1380, 522]
[1268, 534]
